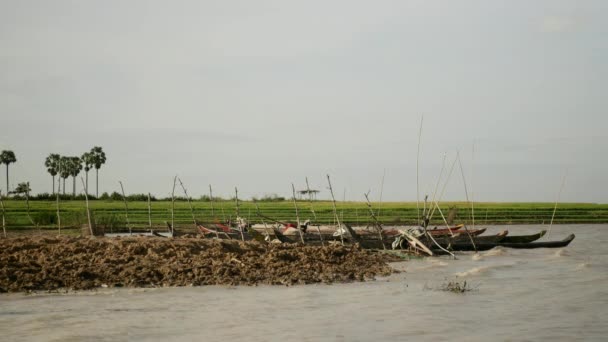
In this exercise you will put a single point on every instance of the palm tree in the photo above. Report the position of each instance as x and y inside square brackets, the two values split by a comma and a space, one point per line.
[52, 166]
[88, 161]
[74, 170]
[64, 169]
[99, 158]
[7, 157]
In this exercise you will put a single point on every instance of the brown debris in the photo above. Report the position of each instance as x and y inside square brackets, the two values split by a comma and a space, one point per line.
[52, 263]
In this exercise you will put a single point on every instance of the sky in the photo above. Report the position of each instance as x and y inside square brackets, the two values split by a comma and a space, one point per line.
[262, 94]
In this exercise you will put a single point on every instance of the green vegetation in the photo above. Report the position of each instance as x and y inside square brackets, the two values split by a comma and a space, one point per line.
[111, 212]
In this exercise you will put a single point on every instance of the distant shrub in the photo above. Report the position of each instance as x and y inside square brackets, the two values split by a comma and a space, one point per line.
[269, 198]
[140, 197]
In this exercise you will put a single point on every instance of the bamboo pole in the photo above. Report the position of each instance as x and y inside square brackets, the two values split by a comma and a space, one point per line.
[333, 201]
[211, 200]
[464, 181]
[431, 209]
[124, 198]
[149, 212]
[472, 193]
[381, 193]
[257, 208]
[27, 203]
[189, 203]
[173, 206]
[58, 215]
[236, 199]
[86, 199]
[436, 205]
[3, 218]
[314, 215]
[217, 234]
[559, 194]
[295, 204]
[427, 219]
[418, 172]
[376, 222]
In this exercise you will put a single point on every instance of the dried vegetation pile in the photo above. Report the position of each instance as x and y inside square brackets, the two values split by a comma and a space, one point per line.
[51, 263]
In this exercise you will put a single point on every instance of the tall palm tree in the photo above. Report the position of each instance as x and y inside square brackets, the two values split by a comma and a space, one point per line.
[75, 167]
[64, 169]
[88, 161]
[99, 158]
[52, 166]
[7, 157]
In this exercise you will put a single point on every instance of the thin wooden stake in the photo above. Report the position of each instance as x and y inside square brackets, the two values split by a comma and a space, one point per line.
[236, 199]
[314, 215]
[124, 198]
[86, 199]
[418, 172]
[257, 208]
[559, 194]
[58, 215]
[211, 200]
[376, 222]
[27, 202]
[173, 206]
[333, 201]
[149, 212]
[464, 181]
[472, 193]
[3, 219]
[381, 193]
[189, 203]
[217, 234]
[295, 204]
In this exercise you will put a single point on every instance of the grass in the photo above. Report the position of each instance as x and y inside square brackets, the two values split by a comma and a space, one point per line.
[112, 212]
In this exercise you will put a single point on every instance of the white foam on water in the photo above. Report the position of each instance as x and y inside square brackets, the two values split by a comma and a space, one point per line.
[561, 253]
[496, 251]
[477, 256]
[483, 269]
[473, 271]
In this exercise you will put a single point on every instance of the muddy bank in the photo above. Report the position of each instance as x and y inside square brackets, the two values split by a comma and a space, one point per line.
[51, 263]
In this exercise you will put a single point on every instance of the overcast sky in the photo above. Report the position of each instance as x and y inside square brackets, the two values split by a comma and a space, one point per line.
[260, 94]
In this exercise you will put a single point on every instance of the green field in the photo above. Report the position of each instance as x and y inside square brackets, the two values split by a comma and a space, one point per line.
[43, 213]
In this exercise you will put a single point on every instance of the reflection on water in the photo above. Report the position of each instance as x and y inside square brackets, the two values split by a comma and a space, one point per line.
[541, 294]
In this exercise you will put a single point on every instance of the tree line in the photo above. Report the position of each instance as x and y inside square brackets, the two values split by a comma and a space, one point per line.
[66, 166]
[62, 166]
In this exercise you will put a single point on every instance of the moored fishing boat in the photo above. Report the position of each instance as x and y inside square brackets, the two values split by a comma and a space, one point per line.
[529, 245]
[523, 238]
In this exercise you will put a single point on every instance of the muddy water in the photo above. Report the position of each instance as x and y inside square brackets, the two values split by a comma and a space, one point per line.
[544, 294]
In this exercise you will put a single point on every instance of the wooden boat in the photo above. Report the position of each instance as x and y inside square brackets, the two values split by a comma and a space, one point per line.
[523, 238]
[529, 245]
[463, 238]
[441, 231]
[473, 232]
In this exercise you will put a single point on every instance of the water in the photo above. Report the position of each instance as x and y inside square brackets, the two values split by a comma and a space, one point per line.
[543, 294]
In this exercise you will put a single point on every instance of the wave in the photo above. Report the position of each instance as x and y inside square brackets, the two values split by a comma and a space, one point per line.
[496, 251]
[562, 252]
[432, 264]
[482, 269]
[473, 271]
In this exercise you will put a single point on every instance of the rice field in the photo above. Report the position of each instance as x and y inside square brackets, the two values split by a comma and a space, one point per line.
[112, 213]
